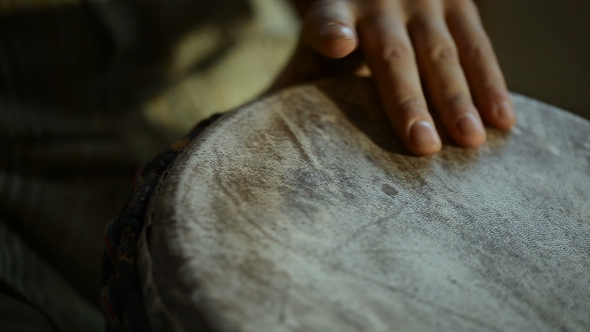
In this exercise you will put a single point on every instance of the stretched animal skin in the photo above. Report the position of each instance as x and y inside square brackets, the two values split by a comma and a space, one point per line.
[302, 211]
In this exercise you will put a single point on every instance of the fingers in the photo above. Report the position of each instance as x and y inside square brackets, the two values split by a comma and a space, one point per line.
[414, 44]
[443, 75]
[480, 65]
[391, 59]
[329, 27]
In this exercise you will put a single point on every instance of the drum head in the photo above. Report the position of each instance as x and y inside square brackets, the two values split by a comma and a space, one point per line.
[303, 212]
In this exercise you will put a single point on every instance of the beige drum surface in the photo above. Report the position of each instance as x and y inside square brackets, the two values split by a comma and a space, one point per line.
[302, 212]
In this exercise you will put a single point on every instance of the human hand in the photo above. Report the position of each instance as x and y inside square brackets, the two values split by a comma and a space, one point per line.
[413, 49]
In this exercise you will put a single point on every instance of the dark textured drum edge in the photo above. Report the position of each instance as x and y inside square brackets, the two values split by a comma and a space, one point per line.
[121, 299]
[160, 316]
[546, 141]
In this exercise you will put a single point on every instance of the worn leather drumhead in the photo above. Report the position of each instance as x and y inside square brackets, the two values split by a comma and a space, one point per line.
[303, 212]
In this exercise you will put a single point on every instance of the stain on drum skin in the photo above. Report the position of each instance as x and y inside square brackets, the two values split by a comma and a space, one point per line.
[303, 212]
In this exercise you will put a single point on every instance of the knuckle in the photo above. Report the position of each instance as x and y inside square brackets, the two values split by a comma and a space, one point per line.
[459, 3]
[423, 4]
[479, 52]
[465, 5]
[443, 52]
[458, 101]
[412, 105]
[393, 51]
[455, 107]
[387, 47]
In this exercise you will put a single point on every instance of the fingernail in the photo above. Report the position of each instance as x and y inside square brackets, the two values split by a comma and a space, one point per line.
[336, 31]
[469, 125]
[422, 133]
[505, 111]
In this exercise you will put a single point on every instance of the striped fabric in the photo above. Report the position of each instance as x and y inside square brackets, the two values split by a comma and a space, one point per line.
[72, 134]
[69, 146]
[62, 178]
[90, 90]
[22, 5]
[32, 278]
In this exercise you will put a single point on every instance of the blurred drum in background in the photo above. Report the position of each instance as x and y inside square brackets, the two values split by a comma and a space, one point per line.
[302, 211]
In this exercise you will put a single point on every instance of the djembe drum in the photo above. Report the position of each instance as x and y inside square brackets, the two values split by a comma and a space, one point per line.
[302, 211]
